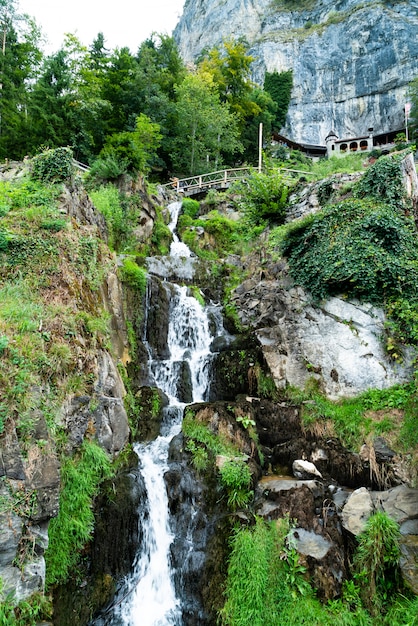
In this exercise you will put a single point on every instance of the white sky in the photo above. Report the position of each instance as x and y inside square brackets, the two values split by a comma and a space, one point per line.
[123, 22]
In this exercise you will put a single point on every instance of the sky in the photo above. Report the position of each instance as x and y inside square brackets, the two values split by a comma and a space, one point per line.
[123, 22]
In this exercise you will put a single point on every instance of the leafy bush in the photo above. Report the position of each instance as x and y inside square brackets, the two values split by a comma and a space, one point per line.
[53, 165]
[134, 276]
[263, 198]
[190, 207]
[360, 248]
[222, 234]
[72, 528]
[383, 181]
[109, 167]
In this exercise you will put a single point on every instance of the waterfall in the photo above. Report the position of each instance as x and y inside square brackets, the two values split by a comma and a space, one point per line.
[148, 597]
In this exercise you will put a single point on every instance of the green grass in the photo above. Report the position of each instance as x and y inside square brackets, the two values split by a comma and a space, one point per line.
[266, 583]
[72, 528]
[356, 419]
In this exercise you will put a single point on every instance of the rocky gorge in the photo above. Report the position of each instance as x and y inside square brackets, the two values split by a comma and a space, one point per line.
[352, 61]
[281, 339]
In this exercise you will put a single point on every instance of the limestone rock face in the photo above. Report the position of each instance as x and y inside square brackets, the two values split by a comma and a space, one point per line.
[352, 61]
[339, 342]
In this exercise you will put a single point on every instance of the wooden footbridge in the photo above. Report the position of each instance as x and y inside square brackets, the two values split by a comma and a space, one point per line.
[221, 179]
[201, 183]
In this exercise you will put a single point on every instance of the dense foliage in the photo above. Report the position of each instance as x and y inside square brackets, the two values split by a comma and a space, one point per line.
[133, 112]
[364, 247]
[357, 247]
[266, 586]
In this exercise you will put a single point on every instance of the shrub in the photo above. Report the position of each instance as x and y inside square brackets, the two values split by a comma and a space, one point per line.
[360, 248]
[72, 528]
[134, 276]
[263, 198]
[383, 181]
[190, 207]
[108, 168]
[53, 165]
[376, 560]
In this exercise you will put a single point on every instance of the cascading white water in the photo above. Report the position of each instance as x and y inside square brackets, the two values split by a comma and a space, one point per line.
[149, 598]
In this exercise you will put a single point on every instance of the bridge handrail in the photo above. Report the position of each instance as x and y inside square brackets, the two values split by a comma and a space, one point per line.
[81, 166]
[200, 181]
[203, 180]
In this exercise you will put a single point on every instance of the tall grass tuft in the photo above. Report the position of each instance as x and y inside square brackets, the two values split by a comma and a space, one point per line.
[72, 528]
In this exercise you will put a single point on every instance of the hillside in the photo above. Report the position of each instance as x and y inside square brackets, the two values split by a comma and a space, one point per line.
[82, 308]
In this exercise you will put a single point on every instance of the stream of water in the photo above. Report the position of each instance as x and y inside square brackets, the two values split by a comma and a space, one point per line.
[148, 595]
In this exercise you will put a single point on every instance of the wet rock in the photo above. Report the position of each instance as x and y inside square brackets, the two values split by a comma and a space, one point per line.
[156, 330]
[152, 401]
[12, 464]
[409, 560]
[108, 420]
[43, 476]
[304, 469]
[357, 510]
[309, 543]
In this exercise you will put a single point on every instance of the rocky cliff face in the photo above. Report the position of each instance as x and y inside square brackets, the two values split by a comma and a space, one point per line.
[352, 61]
[30, 467]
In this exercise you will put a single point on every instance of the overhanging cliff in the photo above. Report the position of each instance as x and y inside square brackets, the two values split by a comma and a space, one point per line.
[352, 60]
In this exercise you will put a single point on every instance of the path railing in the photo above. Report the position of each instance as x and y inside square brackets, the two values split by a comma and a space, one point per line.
[216, 180]
[220, 179]
[81, 166]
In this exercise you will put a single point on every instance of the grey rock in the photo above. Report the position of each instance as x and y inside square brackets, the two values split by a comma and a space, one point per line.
[352, 61]
[400, 503]
[309, 543]
[409, 561]
[304, 469]
[357, 510]
[338, 342]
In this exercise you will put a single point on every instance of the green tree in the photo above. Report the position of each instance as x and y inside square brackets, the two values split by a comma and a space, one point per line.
[229, 65]
[135, 151]
[20, 58]
[206, 128]
[265, 115]
[279, 86]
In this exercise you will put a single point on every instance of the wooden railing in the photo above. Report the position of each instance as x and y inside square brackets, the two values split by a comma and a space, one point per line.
[216, 180]
[81, 166]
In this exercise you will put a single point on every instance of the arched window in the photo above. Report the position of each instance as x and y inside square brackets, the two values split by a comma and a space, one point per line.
[353, 146]
[364, 145]
[343, 147]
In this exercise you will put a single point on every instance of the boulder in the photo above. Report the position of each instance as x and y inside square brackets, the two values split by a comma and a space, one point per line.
[357, 510]
[339, 343]
[304, 469]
